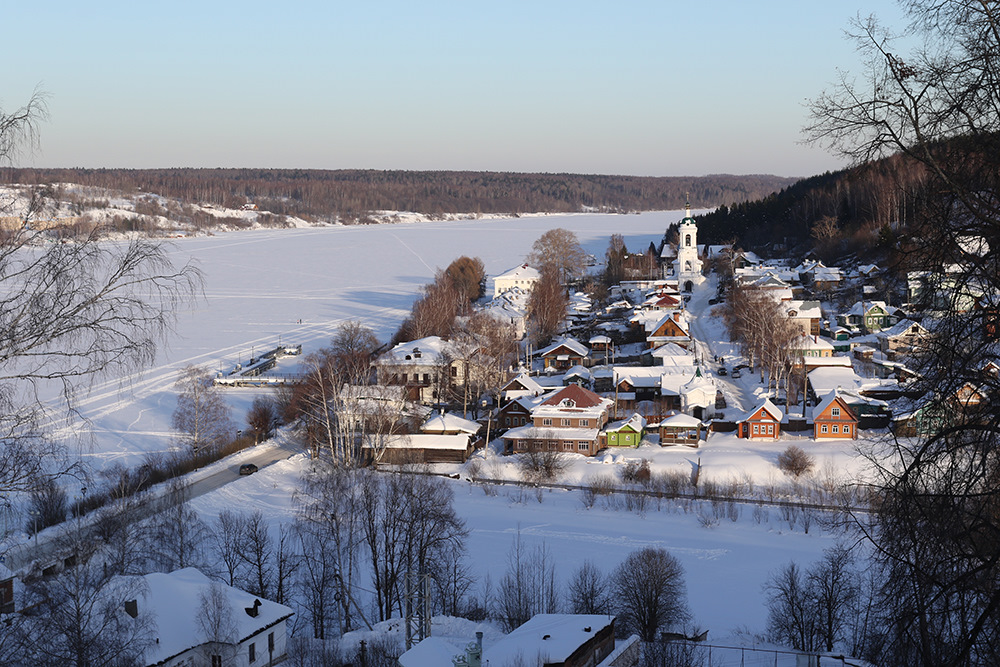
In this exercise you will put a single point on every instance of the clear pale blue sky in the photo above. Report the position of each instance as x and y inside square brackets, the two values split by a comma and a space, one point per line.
[657, 87]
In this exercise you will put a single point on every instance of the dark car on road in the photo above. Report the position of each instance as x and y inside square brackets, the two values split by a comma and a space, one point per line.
[248, 469]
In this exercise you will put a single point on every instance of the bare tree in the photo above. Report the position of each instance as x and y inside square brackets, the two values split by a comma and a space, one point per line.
[78, 617]
[547, 306]
[228, 544]
[528, 586]
[590, 590]
[176, 537]
[217, 625]
[258, 554]
[559, 250]
[72, 312]
[934, 109]
[813, 610]
[650, 592]
[261, 418]
[202, 414]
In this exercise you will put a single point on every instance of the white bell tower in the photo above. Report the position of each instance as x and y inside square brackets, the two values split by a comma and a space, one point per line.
[687, 266]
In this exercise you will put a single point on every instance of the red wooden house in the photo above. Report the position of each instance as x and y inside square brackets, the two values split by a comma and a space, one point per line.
[832, 418]
[764, 421]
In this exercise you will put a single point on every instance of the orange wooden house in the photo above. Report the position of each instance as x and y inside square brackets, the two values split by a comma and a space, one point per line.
[764, 421]
[832, 418]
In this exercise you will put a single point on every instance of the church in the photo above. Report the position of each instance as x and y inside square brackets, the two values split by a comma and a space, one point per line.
[687, 265]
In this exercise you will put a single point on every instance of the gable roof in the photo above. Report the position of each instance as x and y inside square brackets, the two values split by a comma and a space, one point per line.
[523, 382]
[582, 398]
[447, 421]
[831, 398]
[636, 422]
[767, 406]
[570, 343]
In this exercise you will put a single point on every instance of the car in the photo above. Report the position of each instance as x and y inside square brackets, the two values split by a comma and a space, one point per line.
[248, 469]
[737, 373]
[722, 370]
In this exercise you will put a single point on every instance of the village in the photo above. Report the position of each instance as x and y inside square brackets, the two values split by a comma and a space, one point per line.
[662, 363]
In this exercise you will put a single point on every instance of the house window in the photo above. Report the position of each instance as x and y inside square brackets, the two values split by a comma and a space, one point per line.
[567, 422]
[583, 446]
[847, 429]
[770, 429]
[835, 412]
[823, 428]
[404, 378]
[546, 422]
[552, 445]
[628, 437]
[270, 643]
[506, 421]
[253, 652]
[454, 371]
[584, 422]
[568, 446]
[756, 428]
[836, 428]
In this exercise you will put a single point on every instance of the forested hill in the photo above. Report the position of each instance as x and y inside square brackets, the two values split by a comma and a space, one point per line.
[852, 209]
[323, 194]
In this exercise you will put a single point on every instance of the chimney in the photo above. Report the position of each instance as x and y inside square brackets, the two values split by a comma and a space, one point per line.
[253, 611]
[132, 608]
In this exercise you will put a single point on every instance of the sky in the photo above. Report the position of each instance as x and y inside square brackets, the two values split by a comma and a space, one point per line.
[642, 87]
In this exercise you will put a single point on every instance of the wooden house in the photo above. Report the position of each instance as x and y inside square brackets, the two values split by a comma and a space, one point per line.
[833, 418]
[624, 433]
[671, 328]
[763, 422]
[564, 354]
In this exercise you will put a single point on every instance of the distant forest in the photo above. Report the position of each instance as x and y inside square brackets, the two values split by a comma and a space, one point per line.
[852, 210]
[351, 194]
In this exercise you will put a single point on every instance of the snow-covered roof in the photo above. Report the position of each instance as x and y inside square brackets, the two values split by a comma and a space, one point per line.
[430, 652]
[671, 350]
[526, 381]
[825, 380]
[900, 328]
[681, 420]
[578, 371]
[520, 272]
[570, 343]
[419, 441]
[826, 402]
[636, 422]
[599, 340]
[768, 407]
[803, 342]
[802, 309]
[446, 421]
[424, 351]
[861, 307]
[173, 600]
[531, 432]
[546, 639]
